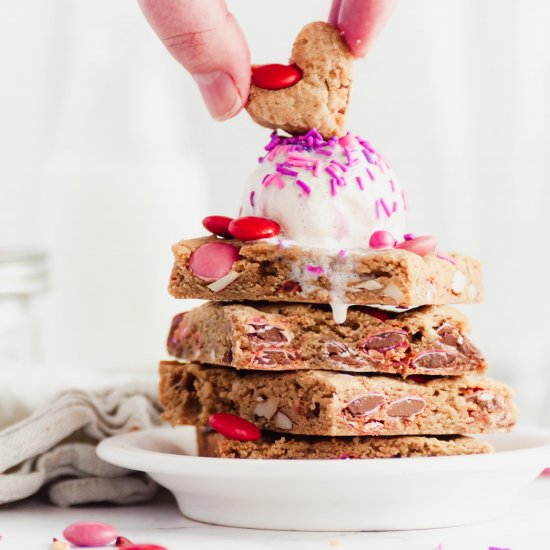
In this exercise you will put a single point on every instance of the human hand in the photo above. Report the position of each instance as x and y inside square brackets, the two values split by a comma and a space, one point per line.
[207, 40]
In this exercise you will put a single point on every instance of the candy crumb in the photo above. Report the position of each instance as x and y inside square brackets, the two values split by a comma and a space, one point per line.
[334, 542]
[60, 544]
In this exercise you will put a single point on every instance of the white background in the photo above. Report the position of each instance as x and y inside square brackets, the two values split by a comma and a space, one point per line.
[107, 156]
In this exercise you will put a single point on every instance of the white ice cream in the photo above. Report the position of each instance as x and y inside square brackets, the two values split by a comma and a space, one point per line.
[333, 201]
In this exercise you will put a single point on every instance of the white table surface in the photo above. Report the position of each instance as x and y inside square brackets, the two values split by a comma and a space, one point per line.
[30, 525]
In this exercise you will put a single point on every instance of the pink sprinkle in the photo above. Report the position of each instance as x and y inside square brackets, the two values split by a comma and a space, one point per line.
[273, 142]
[298, 156]
[252, 199]
[359, 182]
[353, 162]
[371, 176]
[330, 170]
[408, 236]
[446, 258]
[392, 185]
[377, 208]
[268, 179]
[279, 182]
[394, 207]
[368, 156]
[332, 187]
[316, 269]
[439, 547]
[385, 207]
[305, 187]
[324, 152]
[260, 159]
[348, 155]
[284, 170]
[316, 168]
[273, 153]
[341, 166]
[404, 197]
[342, 253]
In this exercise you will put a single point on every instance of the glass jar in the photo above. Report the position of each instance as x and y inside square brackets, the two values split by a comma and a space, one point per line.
[23, 278]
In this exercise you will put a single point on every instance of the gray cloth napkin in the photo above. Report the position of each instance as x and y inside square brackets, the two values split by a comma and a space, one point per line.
[55, 446]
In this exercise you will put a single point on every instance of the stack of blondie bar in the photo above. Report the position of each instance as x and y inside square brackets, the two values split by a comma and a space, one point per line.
[329, 328]
[386, 382]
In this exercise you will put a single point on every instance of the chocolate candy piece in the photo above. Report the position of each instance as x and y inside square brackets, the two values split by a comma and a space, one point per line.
[271, 357]
[342, 353]
[266, 333]
[486, 400]
[432, 359]
[406, 407]
[365, 405]
[172, 341]
[384, 341]
[213, 260]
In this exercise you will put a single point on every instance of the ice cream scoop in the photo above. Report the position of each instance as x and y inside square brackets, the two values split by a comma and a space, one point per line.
[332, 194]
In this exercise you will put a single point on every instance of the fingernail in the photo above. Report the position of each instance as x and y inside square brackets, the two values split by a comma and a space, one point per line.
[220, 94]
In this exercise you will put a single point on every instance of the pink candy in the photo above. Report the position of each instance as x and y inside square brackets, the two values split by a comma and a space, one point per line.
[419, 245]
[381, 239]
[90, 533]
[348, 141]
[213, 260]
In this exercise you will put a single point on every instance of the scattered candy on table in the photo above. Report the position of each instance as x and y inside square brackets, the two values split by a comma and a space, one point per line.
[90, 533]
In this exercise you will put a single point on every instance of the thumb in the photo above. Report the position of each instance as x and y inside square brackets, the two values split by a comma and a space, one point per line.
[360, 21]
[207, 40]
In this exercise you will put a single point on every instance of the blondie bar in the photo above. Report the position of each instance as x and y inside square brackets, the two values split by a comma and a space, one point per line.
[280, 336]
[275, 446]
[331, 403]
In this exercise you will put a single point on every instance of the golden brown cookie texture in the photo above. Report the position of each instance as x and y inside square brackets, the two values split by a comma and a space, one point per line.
[320, 98]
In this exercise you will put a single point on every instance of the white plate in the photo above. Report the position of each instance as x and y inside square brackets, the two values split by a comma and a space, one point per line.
[334, 495]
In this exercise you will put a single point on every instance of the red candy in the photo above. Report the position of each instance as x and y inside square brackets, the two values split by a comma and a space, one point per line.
[419, 245]
[275, 76]
[234, 427]
[218, 225]
[212, 261]
[252, 228]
